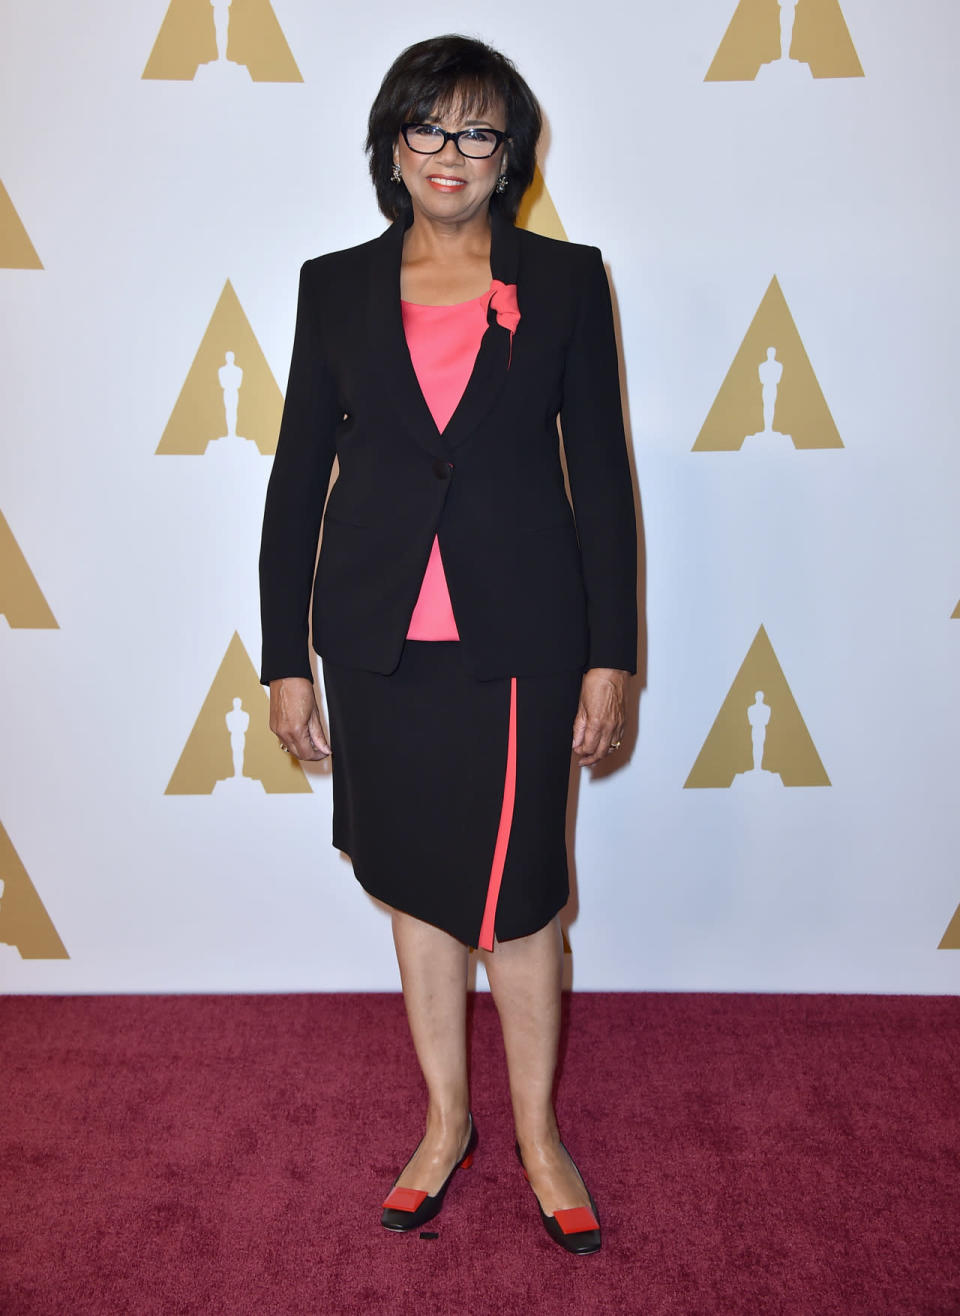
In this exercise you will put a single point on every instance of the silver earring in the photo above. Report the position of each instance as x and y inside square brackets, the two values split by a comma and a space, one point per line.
[395, 174]
[502, 183]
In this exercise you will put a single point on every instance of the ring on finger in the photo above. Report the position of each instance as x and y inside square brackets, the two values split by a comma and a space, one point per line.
[284, 747]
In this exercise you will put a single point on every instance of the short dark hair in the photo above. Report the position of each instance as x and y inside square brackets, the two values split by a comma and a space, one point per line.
[430, 77]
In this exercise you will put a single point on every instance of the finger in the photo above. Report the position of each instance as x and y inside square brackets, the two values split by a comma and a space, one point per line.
[598, 743]
[296, 741]
[594, 759]
[579, 728]
[617, 740]
[590, 741]
[302, 748]
[316, 734]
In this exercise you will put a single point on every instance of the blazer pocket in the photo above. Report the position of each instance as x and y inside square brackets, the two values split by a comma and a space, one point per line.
[336, 519]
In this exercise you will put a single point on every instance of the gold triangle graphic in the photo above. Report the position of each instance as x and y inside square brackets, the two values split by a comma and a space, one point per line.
[222, 41]
[759, 719]
[537, 211]
[17, 252]
[21, 599]
[956, 611]
[770, 396]
[231, 748]
[230, 395]
[24, 922]
[814, 32]
[951, 938]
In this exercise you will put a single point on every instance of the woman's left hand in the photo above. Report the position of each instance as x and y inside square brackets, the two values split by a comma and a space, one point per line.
[600, 719]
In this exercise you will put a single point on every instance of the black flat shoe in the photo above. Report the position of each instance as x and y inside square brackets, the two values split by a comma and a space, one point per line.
[409, 1208]
[576, 1229]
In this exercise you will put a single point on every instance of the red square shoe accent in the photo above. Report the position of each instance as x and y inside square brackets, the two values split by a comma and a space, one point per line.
[405, 1199]
[576, 1220]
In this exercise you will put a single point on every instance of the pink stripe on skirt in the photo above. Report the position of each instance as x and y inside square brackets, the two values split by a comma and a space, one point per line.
[503, 832]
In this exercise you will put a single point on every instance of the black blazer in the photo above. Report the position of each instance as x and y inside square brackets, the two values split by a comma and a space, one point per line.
[533, 589]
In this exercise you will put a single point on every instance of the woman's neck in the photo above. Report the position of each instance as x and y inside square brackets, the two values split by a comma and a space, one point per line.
[444, 264]
[443, 242]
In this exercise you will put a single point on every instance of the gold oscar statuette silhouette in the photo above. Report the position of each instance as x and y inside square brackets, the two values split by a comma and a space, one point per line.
[237, 721]
[222, 43]
[759, 738]
[784, 42]
[231, 750]
[770, 373]
[758, 715]
[229, 385]
[230, 376]
[770, 396]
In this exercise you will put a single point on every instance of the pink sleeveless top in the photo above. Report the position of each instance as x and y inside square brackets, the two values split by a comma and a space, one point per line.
[443, 343]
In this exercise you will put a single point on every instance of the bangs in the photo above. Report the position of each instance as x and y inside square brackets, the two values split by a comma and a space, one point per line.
[468, 96]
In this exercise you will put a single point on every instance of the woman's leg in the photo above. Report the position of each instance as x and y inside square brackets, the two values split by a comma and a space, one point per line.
[433, 970]
[525, 977]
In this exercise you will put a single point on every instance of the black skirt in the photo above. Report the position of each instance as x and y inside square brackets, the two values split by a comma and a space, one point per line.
[450, 794]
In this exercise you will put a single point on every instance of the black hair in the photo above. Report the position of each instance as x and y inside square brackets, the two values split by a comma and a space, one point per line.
[427, 79]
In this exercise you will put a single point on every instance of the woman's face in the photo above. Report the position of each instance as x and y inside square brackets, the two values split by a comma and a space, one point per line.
[447, 186]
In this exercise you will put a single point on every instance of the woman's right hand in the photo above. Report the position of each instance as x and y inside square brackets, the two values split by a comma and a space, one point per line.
[295, 718]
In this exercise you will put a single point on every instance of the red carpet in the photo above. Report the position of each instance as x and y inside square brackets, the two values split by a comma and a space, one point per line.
[748, 1154]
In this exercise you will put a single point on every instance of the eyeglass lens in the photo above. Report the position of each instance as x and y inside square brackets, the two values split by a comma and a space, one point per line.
[428, 138]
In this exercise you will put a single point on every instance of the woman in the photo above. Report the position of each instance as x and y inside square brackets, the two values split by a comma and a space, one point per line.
[467, 618]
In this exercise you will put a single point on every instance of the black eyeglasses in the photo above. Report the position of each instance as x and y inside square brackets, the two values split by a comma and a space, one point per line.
[475, 143]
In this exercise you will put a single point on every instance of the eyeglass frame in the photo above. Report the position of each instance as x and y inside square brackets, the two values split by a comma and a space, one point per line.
[455, 138]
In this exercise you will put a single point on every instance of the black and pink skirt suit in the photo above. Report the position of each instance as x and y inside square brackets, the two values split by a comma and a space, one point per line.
[449, 784]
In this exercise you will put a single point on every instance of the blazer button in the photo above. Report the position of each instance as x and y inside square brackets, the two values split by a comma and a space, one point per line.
[441, 469]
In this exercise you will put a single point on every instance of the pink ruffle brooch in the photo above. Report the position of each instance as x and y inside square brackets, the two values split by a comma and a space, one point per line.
[504, 302]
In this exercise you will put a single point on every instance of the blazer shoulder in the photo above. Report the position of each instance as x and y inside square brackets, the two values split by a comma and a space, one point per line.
[346, 262]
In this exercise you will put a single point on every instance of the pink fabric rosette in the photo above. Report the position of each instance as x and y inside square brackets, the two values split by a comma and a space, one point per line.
[503, 299]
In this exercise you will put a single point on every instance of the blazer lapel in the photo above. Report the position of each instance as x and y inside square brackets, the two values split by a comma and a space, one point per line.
[390, 346]
[490, 368]
[390, 353]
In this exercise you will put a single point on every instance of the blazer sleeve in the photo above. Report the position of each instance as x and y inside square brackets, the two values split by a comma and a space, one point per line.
[296, 494]
[595, 447]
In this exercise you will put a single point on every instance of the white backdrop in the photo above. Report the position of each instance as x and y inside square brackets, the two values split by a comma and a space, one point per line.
[141, 197]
